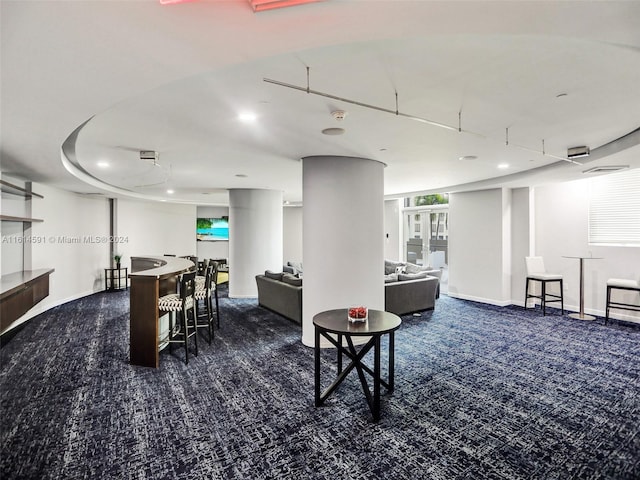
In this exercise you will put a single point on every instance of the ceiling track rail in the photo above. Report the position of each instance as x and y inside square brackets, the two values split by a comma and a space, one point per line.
[397, 113]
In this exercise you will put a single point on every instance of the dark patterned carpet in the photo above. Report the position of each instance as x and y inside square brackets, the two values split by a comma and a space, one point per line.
[481, 393]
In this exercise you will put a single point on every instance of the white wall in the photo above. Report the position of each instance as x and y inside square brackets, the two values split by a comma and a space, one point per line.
[561, 228]
[15, 255]
[487, 263]
[292, 231]
[521, 243]
[505, 241]
[212, 250]
[291, 241]
[12, 257]
[155, 228]
[477, 269]
[392, 229]
[73, 239]
[292, 234]
[255, 238]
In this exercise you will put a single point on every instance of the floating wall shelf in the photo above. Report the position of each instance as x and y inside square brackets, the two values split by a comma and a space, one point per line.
[12, 189]
[9, 218]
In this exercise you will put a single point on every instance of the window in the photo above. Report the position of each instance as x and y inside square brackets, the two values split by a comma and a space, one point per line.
[614, 209]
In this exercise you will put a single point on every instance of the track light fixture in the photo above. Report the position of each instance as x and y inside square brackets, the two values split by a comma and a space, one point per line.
[396, 112]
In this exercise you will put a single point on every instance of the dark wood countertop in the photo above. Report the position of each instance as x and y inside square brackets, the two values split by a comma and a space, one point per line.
[161, 267]
[13, 282]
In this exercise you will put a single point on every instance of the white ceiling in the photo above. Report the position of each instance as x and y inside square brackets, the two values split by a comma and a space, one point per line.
[173, 78]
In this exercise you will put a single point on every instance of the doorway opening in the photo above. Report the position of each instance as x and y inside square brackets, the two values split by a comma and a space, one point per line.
[426, 233]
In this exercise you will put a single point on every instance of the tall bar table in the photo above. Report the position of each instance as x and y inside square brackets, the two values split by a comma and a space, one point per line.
[582, 315]
[151, 277]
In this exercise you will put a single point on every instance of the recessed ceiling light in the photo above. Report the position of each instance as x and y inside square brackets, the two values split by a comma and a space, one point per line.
[170, 191]
[468, 157]
[502, 166]
[333, 131]
[103, 164]
[247, 117]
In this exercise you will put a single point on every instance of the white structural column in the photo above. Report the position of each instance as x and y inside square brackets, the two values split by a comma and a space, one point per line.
[255, 238]
[343, 236]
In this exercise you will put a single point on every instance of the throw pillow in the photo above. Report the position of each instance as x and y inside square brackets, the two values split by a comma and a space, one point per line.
[274, 275]
[413, 268]
[288, 269]
[296, 265]
[292, 280]
[390, 266]
[392, 277]
[411, 276]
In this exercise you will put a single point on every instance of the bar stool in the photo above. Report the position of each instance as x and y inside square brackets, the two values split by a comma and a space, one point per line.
[202, 268]
[625, 285]
[214, 283]
[537, 273]
[181, 303]
[203, 293]
[214, 287]
[223, 273]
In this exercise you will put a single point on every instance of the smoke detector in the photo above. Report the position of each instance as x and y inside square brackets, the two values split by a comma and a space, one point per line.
[339, 115]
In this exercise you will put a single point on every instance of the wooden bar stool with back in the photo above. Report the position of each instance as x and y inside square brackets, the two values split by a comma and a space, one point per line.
[183, 306]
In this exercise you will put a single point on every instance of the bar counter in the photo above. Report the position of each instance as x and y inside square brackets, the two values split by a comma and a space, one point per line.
[151, 277]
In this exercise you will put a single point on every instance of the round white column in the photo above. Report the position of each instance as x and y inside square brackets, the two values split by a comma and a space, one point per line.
[343, 236]
[255, 238]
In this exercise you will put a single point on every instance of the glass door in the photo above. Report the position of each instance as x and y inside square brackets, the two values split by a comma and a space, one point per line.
[426, 235]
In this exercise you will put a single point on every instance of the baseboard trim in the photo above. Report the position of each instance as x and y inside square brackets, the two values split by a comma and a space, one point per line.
[567, 308]
[489, 301]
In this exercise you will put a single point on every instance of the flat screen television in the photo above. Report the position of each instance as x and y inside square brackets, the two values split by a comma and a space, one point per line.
[212, 229]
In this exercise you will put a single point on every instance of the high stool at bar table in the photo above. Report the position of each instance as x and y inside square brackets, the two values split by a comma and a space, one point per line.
[582, 315]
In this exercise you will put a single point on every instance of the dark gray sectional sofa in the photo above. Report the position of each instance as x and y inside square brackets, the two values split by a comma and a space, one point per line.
[281, 293]
[408, 296]
[412, 289]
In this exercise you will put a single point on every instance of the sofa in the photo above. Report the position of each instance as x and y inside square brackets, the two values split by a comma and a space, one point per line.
[281, 293]
[407, 296]
[408, 288]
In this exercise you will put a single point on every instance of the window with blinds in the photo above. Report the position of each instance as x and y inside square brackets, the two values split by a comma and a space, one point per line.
[614, 209]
